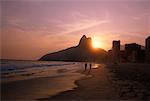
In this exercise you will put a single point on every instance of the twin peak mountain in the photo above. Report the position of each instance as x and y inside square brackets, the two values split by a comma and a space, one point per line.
[83, 52]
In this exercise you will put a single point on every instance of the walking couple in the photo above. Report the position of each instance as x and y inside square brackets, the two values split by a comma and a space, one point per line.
[87, 65]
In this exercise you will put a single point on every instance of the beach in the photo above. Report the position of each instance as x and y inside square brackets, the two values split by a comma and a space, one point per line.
[123, 81]
[97, 86]
[132, 80]
[111, 82]
[31, 80]
[39, 87]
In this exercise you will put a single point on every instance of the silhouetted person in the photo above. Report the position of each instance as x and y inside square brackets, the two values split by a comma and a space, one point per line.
[90, 66]
[85, 66]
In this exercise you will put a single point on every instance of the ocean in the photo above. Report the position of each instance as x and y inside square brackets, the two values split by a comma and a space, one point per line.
[12, 70]
[38, 79]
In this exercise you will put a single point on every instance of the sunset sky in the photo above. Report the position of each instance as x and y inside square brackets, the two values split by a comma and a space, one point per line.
[32, 28]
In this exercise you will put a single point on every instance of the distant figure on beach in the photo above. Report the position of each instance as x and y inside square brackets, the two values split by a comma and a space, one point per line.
[85, 66]
[90, 66]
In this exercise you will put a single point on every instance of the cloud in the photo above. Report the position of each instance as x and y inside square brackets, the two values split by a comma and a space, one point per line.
[82, 22]
[82, 25]
[143, 16]
[79, 21]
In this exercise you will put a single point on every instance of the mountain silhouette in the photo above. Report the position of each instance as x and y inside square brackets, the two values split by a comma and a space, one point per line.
[82, 52]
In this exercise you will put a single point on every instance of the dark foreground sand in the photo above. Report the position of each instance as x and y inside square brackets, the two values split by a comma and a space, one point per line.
[132, 80]
[111, 82]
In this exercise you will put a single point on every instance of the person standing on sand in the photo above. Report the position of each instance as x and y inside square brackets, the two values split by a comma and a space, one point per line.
[85, 66]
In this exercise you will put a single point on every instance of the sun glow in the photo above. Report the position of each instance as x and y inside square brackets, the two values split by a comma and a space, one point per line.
[96, 42]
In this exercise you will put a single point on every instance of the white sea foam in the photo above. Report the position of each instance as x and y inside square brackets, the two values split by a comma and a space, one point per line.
[21, 70]
[37, 79]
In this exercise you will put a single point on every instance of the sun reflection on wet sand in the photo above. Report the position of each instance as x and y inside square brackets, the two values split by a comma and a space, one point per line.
[96, 66]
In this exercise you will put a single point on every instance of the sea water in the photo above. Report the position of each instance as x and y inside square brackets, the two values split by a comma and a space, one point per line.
[13, 70]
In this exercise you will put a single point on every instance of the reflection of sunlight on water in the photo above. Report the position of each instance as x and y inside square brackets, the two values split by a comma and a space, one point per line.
[94, 66]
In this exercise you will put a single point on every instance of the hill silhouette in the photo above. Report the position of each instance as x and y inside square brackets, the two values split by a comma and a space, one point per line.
[82, 52]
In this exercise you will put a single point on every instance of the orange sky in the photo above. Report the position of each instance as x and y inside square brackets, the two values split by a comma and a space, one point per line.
[32, 28]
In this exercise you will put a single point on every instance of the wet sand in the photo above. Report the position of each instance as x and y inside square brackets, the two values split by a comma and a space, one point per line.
[128, 81]
[96, 85]
[36, 88]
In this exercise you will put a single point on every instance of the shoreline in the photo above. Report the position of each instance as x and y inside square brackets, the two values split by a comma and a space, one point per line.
[124, 81]
[76, 82]
[112, 82]
[94, 86]
[36, 88]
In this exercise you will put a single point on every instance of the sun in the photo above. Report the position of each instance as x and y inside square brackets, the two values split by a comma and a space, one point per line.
[96, 42]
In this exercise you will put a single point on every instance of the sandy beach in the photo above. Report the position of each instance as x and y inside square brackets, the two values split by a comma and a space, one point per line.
[125, 81]
[111, 82]
[132, 80]
[96, 85]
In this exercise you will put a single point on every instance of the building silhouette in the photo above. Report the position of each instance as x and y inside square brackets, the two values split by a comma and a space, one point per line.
[147, 49]
[116, 51]
[132, 52]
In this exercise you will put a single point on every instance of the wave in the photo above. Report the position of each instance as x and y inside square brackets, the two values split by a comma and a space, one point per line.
[8, 66]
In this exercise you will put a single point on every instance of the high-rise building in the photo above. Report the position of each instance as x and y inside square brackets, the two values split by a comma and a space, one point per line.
[116, 51]
[133, 52]
[147, 49]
